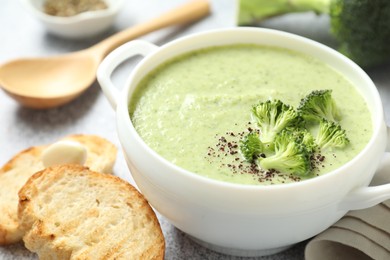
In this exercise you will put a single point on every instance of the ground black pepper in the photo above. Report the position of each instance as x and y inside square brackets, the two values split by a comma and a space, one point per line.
[72, 7]
[228, 144]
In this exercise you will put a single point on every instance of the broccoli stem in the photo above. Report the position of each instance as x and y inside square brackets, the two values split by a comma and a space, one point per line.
[251, 11]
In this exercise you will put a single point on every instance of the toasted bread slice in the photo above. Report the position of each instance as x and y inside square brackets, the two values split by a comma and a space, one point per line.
[101, 155]
[71, 212]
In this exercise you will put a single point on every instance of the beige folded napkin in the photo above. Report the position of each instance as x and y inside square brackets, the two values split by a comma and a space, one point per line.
[360, 234]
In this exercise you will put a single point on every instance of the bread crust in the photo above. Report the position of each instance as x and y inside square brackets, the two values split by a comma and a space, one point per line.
[10, 182]
[121, 225]
[13, 175]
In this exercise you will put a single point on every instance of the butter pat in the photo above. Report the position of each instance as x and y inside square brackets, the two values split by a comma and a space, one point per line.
[64, 152]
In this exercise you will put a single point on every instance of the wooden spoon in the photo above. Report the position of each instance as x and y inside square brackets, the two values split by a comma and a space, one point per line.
[50, 82]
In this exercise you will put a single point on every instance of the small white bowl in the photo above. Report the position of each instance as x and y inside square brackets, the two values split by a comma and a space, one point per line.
[79, 26]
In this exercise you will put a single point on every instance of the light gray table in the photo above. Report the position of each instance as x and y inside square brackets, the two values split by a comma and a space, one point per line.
[23, 36]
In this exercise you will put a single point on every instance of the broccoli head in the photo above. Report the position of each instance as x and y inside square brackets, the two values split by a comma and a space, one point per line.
[303, 136]
[290, 156]
[272, 117]
[330, 134]
[251, 146]
[317, 105]
[362, 27]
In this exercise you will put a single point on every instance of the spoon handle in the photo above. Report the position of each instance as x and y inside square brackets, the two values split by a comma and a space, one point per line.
[186, 13]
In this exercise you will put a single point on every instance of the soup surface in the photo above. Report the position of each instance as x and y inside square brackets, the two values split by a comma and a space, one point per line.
[194, 109]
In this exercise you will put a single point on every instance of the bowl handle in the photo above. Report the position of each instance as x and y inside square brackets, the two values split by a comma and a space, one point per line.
[366, 197]
[113, 60]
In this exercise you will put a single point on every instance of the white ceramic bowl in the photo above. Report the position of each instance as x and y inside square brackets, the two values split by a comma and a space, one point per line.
[82, 25]
[243, 219]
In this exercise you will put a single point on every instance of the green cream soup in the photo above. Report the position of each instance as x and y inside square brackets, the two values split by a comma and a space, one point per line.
[195, 109]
